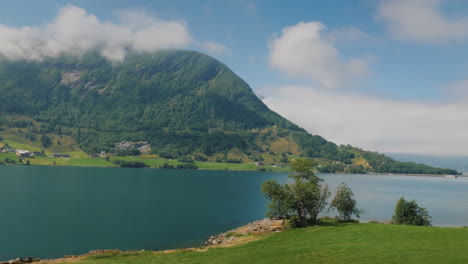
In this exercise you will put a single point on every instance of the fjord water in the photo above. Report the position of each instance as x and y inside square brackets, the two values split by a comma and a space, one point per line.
[50, 212]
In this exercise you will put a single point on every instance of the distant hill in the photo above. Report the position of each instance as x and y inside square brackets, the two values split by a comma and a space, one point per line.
[183, 103]
[459, 163]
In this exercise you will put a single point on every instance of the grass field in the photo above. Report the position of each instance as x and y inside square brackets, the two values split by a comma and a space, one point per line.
[344, 243]
[77, 159]
[156, 162]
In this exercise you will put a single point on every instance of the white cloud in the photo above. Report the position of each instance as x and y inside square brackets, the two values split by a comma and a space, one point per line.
[303, 51]
[214, 48]
[375, 123]
[74, 31]
[422, 21]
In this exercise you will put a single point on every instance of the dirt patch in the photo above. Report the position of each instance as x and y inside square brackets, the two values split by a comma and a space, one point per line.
[263, 226]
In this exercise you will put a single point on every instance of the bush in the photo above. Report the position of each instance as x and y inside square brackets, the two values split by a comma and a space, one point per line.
[409, 213]
[201, 157]
[7, 160]
[189, 166]
[167, 154]
[185, 159]
[128, 152]
[46, 141]
[166, 166]
[129, 164]
[234, 160]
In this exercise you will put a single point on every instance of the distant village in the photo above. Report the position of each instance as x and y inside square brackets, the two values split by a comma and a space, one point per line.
[22, 153]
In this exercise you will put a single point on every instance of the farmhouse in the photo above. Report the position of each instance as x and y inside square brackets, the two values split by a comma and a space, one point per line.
[23, 153]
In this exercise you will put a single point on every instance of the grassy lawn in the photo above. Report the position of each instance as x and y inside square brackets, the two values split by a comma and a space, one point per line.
[347, 243]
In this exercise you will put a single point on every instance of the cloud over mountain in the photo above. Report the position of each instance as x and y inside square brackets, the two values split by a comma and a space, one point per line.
[75, 31]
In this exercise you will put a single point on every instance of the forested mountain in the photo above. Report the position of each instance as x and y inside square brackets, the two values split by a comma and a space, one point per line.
[180, 102]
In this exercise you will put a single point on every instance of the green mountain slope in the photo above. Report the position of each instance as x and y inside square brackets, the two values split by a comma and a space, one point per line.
[180, 102]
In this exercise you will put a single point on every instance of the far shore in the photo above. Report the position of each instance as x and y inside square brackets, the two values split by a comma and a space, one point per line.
[268, 169]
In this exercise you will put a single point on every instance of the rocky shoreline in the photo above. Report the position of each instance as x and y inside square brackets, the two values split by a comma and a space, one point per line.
[263, 226]
[21, 261]
[233, 237]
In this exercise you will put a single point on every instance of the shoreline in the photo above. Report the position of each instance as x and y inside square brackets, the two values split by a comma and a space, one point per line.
[247, 233]
[208, 169]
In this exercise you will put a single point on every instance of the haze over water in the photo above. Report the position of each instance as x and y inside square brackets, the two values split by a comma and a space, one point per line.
[50, 212]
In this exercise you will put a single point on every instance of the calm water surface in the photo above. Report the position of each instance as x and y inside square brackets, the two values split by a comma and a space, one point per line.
[49, 212]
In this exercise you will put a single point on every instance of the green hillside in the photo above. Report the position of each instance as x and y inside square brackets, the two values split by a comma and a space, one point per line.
[344, 243]
[182, 103]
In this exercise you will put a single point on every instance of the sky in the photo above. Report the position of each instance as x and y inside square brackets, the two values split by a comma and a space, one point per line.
[384, 75]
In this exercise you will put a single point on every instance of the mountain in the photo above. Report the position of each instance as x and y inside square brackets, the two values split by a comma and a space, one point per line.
[183, 103]
[459, 163]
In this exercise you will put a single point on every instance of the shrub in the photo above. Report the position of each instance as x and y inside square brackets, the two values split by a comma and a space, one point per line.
[185, 159]
[166, 166]
[7, 160]
[189, 166]
[409, 213]
[201, 157]
[234, 160]
[128, 152]
[129, 164]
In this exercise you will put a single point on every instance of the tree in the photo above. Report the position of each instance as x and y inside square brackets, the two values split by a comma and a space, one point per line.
[46, 141]
[345, 203]
[301, 199]
[409, 213]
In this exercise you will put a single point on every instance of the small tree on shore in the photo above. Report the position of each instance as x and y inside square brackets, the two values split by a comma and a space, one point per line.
[409, 213]
[345, 203]
[301, 199]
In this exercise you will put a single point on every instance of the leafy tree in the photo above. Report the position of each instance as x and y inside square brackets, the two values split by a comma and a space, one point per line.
[301, 199]
[409, 213]
[46, 141]
[185, 159]
[188, 166]
[345, 203]
[128, 152]
[166, 166]
[129, 164]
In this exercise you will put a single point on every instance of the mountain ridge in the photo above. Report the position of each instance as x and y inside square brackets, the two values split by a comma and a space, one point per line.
[183, 103]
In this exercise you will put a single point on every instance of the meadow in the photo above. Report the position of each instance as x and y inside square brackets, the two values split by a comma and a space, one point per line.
[332, 243]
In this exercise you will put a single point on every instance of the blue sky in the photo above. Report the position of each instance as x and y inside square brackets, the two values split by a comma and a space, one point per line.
[384, 75]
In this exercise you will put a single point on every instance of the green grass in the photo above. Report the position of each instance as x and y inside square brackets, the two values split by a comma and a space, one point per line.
[347, 243]
[94, 162]
[156, 162]
[9, 155]
[78, 159]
